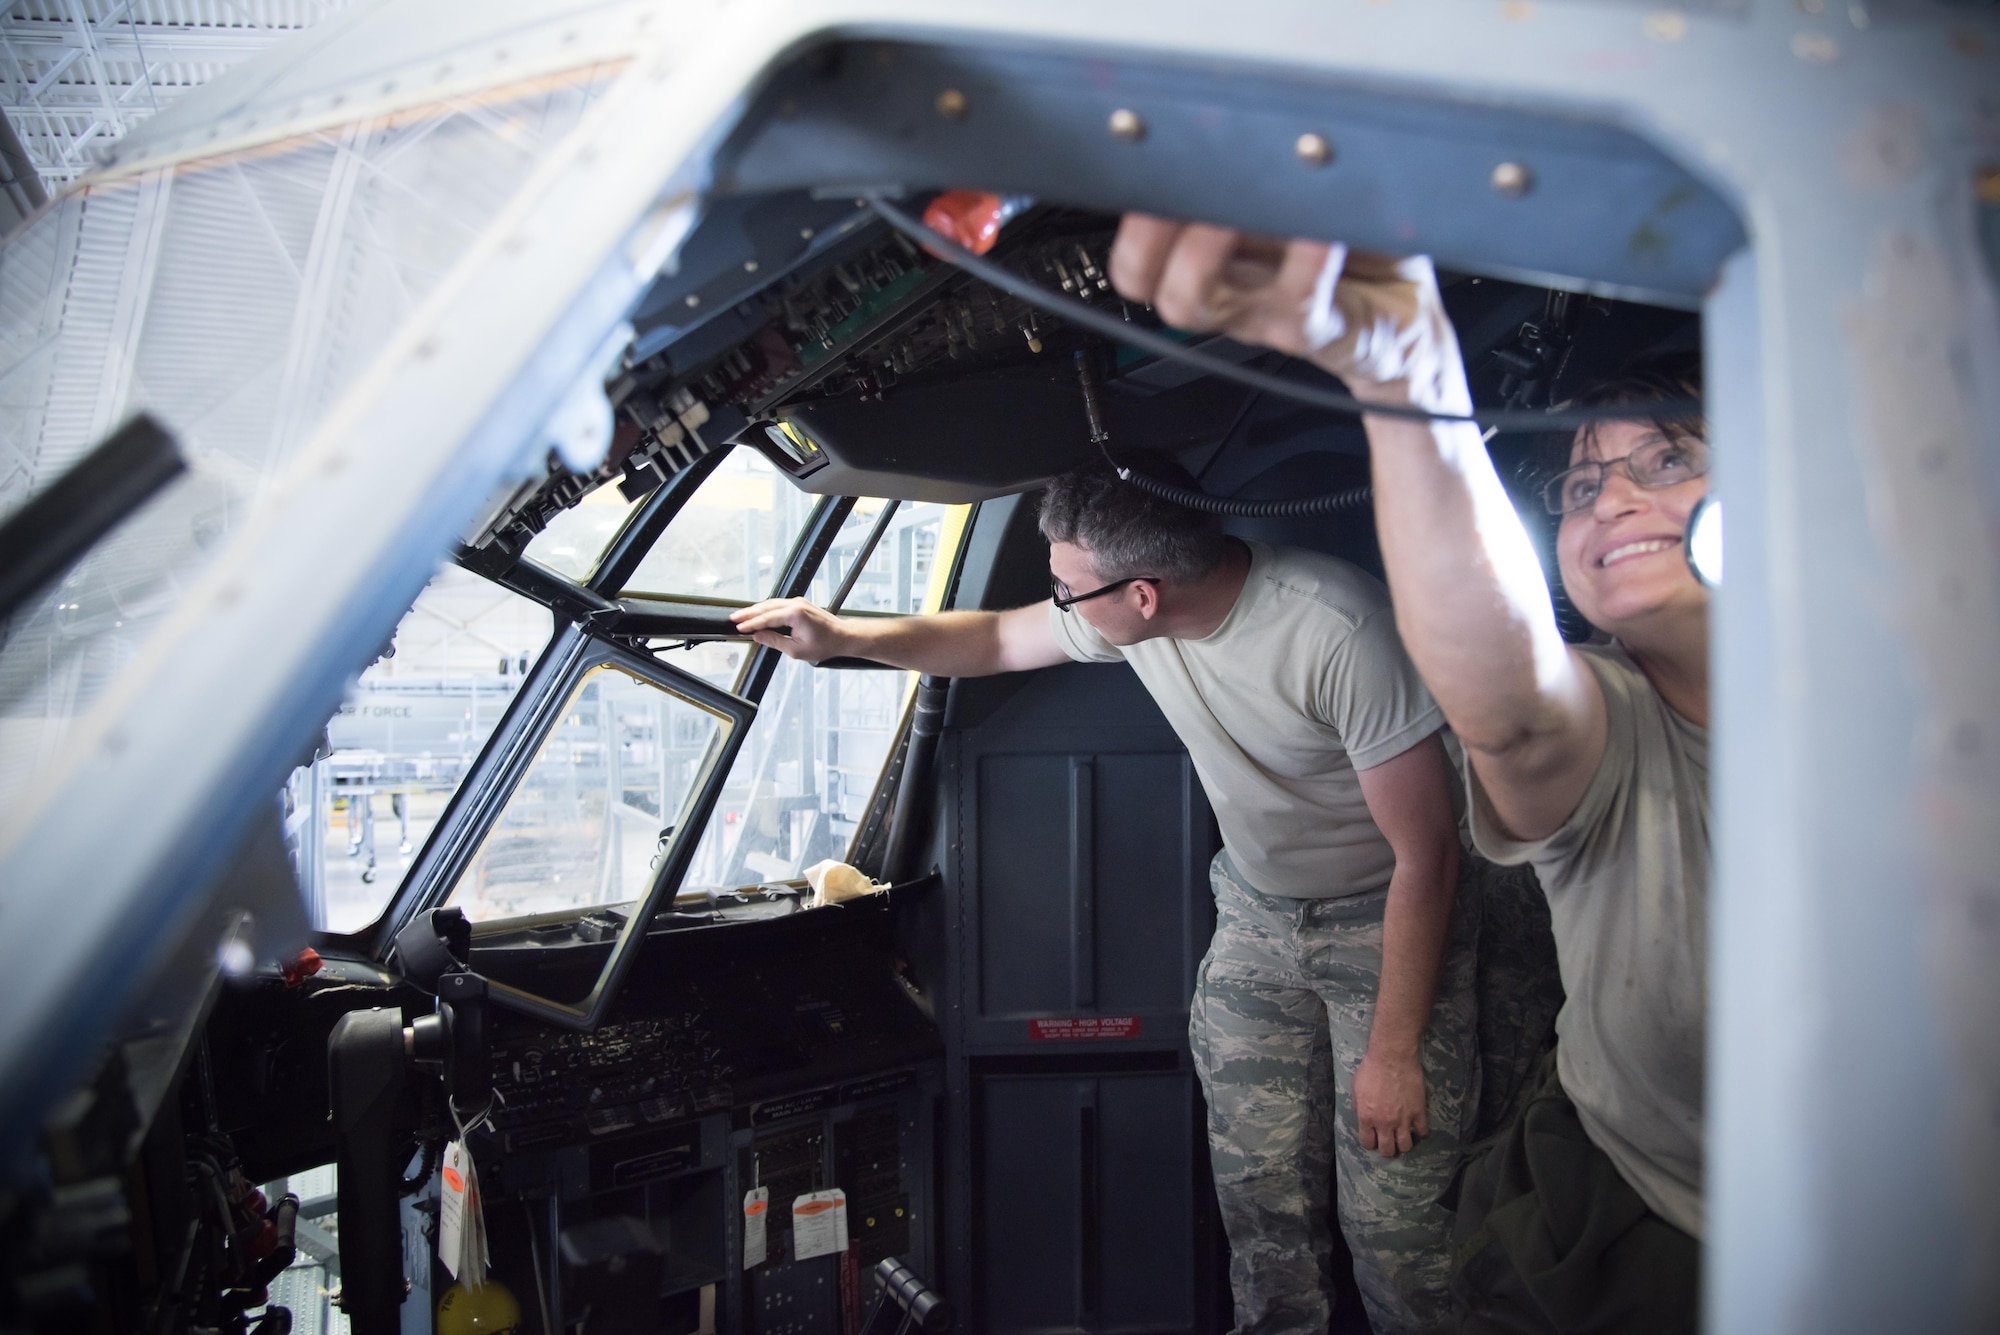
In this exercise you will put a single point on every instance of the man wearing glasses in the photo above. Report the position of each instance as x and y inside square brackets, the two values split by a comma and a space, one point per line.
[1588, 762]
[1333, 1019]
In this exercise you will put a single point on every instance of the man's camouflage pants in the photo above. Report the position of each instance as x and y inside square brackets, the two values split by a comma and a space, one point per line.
[1282, 1009]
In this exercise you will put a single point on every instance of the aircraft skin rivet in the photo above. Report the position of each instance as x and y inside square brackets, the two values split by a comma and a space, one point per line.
[1665, 25]
[951, 104]
[1314, 150]
[694, 299]
[1513, 180]
[1127, 125]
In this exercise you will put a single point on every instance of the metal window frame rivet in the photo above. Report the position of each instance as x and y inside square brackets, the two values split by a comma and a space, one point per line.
[1315, 150]
[1513, 179]
[1127, 125]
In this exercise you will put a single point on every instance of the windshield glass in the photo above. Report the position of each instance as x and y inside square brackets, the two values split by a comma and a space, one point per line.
[896, 543]
[403, 741]
[592, 818]
[800, 788]
[730, 541]
[236, 299]
[577, 537]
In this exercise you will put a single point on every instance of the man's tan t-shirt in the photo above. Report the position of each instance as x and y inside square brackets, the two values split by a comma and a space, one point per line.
[1304, 682]
[1627, 882]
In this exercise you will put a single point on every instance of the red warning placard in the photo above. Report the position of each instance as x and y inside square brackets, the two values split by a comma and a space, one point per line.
[1084, 1026]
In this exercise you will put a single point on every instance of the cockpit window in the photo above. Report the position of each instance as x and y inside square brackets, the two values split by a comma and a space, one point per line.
[731, 539]
[402, 743]
[896, 562]
[592, 818]
[801, 786]
[576, 538]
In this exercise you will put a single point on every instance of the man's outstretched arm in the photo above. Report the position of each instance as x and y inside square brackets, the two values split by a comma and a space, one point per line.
[1471, 604]
[946, 644]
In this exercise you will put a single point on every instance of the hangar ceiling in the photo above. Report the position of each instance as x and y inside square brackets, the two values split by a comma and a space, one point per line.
[76, 75]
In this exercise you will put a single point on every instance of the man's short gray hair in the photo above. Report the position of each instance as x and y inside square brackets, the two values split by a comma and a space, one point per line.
[1128, 532]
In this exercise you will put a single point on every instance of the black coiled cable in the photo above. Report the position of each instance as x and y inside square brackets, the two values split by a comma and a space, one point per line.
[1192, 499]
[1352, 498]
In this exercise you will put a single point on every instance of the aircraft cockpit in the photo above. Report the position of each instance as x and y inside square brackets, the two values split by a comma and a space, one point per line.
[411, 868]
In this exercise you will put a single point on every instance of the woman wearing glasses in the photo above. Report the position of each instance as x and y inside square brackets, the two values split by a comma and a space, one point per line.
[1590, 762]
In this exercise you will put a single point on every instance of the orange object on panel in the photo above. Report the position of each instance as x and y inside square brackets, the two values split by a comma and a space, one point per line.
[970, 217]
[303, 966]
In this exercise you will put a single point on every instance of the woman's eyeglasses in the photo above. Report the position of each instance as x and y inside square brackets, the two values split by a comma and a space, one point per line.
[1660, 462]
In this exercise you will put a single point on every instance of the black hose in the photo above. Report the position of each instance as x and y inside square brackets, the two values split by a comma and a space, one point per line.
[1352, 498]
[1110, 326]
[900, 860]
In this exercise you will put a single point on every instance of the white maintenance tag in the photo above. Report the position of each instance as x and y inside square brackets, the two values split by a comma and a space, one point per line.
[461, 1220]
[451, 1207]
[819, 1224]
[756, 1220]
[476, 1255]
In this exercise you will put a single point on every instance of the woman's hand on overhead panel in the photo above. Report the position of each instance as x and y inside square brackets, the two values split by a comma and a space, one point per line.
[1471, 602]
[1376, 321]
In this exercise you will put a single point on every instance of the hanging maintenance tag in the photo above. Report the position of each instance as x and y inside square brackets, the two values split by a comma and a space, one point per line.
[819, 1224]
[474, 1273]
[451, 1208]
[756, 1220]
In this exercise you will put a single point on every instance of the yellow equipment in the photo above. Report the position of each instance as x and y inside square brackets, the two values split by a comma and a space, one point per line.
[489, 1309]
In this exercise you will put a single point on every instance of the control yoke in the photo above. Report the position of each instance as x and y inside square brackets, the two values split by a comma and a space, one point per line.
[434, 952]
[368, 1056]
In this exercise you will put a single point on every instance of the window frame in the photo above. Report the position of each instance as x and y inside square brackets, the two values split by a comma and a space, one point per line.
[587, 636]
[494, 778]
[602, 658]
[595, 628]
[579, 610]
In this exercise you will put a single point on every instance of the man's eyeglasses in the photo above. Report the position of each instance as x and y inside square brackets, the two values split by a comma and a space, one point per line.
[1066, 600]
[1660, 462]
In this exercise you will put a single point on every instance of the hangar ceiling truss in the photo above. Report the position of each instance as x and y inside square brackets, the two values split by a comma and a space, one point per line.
[78, 74]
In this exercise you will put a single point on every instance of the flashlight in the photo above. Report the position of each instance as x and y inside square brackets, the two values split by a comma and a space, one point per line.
[1704, 541]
